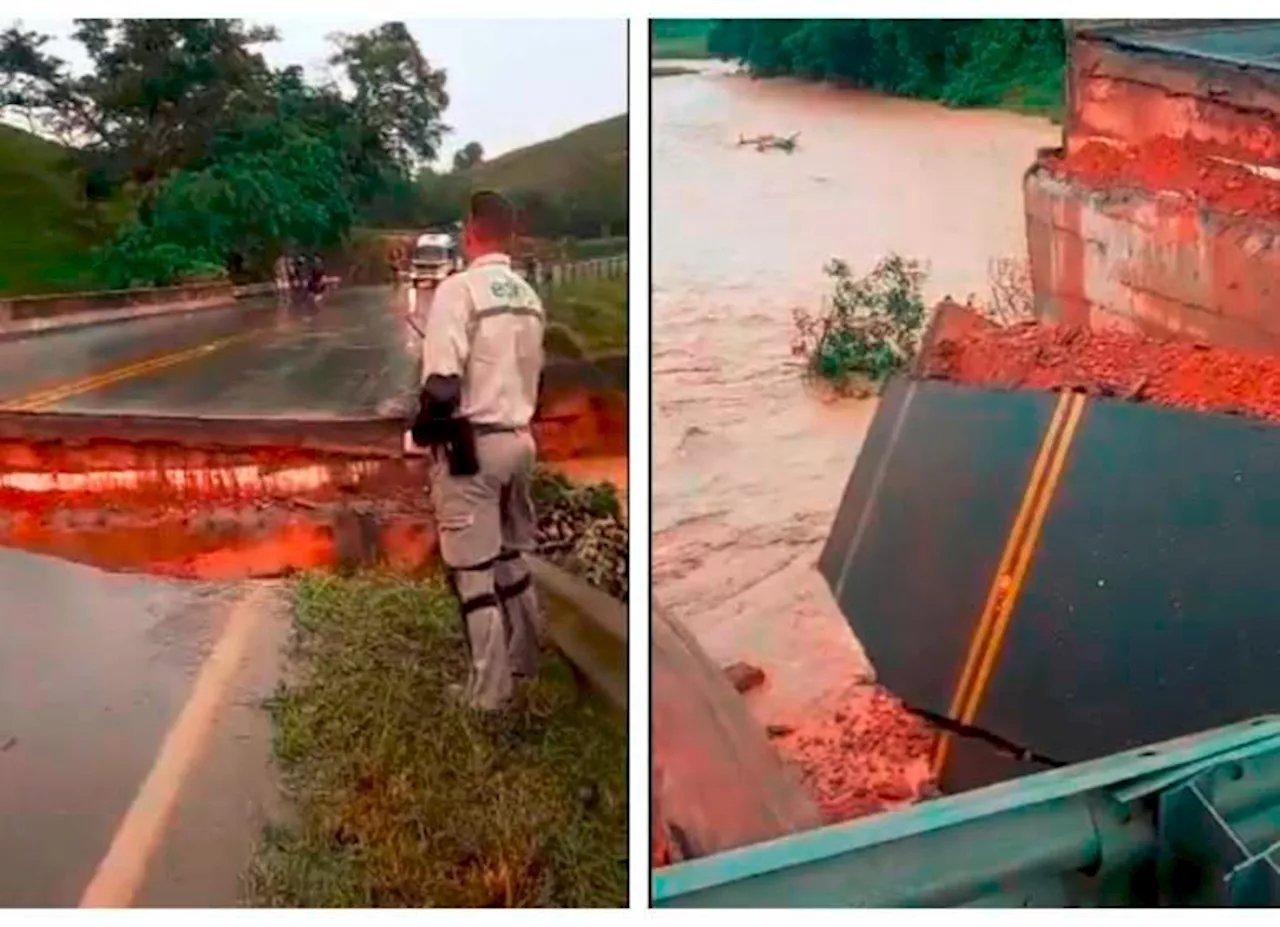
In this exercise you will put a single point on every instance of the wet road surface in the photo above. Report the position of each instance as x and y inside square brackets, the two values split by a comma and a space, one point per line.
[100, 673]
[352, 355]
[97, 671]
[749, 464]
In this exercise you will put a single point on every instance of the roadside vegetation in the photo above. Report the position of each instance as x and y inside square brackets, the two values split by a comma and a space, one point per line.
[581, 249]
[583, 530]
[680, 38]
[587, 318]
[403, 799]
[869, 328]
[400, 797]
[1015, 64]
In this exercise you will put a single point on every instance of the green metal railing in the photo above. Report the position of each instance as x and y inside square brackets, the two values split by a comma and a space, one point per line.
[1190, 822]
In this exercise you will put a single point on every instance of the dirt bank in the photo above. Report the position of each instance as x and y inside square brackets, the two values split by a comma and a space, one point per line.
[1196, 171]
[869, 756]
[1166, 371]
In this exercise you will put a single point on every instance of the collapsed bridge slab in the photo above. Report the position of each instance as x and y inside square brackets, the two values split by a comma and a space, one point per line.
[1075, 576]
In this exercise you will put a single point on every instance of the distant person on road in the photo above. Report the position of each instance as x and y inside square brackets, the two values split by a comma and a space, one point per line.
[481, 366]
[315, 278]
[282, 275]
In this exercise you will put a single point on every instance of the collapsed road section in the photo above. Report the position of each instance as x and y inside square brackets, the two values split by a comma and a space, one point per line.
[1054, 548]
[111, 665]
[1085, 529]
[219, 498]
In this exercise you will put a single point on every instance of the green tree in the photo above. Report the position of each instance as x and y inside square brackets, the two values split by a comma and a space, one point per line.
[468, 156]
[960, 62]
[397, 92]
[158, 92]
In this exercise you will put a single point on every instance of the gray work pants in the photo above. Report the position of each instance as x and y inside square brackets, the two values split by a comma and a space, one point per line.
[486, 524]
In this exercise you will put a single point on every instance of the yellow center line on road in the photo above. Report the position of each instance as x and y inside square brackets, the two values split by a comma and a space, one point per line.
[1020, 547]
[44, 398]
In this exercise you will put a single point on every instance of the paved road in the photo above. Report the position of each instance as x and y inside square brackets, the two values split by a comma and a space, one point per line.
[134, 753]
[353, 355]
[101, 726]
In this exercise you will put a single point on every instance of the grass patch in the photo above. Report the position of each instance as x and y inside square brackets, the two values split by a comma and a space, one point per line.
[403, 799]
[587, 248]
[587, 318]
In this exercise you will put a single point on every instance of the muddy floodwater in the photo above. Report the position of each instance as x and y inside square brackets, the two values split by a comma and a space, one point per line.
[748, 464]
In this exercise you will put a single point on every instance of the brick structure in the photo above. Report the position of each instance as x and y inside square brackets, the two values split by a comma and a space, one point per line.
[1161, 212]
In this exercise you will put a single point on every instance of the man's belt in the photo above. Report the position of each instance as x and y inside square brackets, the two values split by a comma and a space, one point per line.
[485, 428]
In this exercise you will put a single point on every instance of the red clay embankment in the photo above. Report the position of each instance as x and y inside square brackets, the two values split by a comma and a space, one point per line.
[1164, 370]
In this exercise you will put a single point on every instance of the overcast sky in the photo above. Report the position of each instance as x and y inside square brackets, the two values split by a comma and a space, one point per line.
[511, 82]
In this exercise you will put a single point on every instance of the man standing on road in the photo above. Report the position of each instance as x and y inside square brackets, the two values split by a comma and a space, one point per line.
[482, 361]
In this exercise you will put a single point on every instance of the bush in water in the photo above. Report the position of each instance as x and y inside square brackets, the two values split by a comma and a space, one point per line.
[870, 327]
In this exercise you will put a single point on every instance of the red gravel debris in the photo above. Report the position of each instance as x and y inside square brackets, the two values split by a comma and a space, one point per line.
[1167, 372]
[870, 755]
[1171, 166]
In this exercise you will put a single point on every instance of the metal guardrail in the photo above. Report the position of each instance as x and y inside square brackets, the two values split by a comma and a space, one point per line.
[1191, 822]
[588, 626]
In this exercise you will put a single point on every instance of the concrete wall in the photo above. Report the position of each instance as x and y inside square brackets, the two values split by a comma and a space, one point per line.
[1113, 259]
[32, 315]
[1130, 96]
[1154, 261]
[44, 307]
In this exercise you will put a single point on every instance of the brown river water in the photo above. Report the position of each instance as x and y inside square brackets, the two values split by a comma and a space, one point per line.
[749, 464]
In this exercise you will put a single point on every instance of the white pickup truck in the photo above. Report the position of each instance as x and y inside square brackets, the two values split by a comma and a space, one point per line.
[435, 256]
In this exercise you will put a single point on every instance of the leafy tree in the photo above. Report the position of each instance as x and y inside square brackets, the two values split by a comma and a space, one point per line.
[397, 92]
[960, 62]
[227, 160]
[159, 91]
[468, 156]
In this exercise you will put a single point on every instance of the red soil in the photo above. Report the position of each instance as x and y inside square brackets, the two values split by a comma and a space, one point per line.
[867, 757]
[1167, 165]
[1167, 372]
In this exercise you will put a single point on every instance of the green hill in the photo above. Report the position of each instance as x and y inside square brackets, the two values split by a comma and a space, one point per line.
[566, 163]
[47, 227]
[574, 185]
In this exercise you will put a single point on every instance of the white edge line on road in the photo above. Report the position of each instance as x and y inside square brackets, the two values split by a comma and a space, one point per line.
[123, 870]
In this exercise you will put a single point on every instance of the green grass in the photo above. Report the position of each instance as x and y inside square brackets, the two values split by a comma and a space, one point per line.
[403, 799]
[587, 318]
[46, 227]
[588, 248]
